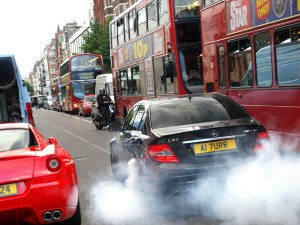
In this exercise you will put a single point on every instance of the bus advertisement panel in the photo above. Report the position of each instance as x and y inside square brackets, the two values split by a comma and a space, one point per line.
[155, 51]
[254, 57]
[78, 75]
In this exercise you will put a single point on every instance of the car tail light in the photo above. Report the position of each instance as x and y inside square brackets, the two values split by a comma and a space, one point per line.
[162, 153]
[53, 163]
[262, 140]
[29, 114]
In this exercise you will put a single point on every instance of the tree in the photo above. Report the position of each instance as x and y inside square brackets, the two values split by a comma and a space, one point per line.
[96, 40]
[29, 87]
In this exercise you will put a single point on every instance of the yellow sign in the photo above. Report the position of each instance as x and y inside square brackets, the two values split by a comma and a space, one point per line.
[8, 189]
[214, 146]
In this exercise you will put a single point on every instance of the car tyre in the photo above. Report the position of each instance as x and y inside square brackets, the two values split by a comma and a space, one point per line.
[75, 219]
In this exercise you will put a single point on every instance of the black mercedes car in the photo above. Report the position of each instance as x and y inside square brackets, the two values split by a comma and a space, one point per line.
[176, 141]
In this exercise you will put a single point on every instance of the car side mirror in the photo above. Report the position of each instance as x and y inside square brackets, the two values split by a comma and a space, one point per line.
[52, 140]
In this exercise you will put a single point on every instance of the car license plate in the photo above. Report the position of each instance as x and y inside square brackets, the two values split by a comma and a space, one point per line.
[215, 146]
[8, 189]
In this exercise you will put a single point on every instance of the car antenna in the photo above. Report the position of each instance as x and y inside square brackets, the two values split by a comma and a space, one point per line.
[190, 97]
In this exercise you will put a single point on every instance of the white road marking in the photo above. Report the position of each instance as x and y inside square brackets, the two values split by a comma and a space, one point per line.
[87, 121]
[74, 135]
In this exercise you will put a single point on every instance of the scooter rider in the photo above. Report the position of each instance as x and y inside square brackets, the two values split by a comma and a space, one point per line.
[103, 101]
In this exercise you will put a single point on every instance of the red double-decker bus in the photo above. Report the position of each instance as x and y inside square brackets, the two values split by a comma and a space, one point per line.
[77, 76]
[155, 51]
[251, 52]
[56, 93]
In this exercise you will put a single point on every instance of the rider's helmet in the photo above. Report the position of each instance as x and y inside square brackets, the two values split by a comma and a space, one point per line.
[101, 91]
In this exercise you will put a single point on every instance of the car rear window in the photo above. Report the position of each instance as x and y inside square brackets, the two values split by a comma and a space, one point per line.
[200, 110]
[14, 139]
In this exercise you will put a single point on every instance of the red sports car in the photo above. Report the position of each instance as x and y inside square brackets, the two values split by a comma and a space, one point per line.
[86, 105]
[38, 180]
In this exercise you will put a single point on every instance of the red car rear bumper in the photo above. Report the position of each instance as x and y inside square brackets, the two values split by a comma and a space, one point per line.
[39, 196]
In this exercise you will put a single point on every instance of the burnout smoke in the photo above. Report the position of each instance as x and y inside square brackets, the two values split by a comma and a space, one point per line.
[264, 190]
[117, 203]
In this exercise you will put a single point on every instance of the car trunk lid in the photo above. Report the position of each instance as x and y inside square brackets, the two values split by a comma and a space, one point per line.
[218, 142]
[16, 165]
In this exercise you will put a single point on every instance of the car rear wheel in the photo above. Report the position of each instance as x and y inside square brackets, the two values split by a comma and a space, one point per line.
[115, 165]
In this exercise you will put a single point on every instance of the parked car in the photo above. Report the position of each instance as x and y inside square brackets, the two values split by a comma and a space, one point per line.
[86, 105]
[38, 101]
[48, 104]
[15, 105]
[178, 140]
[38, 182]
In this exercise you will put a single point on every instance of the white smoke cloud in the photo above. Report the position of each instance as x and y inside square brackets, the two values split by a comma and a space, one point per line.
[264, 190]
[117, 203]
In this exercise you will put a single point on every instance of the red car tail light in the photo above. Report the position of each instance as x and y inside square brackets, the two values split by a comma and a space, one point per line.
[29, 114]
[53, 163]
[262, 140]
[162, 153]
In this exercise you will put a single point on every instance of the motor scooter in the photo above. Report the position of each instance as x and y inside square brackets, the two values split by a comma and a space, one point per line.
[101, 120]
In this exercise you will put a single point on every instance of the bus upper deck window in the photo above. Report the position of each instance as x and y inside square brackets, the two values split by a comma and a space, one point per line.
[120, 30]
[142, 17]
[152, 15]
[287, 61]
[263, 60]
[132, 24]
[163, 12]
[239, 57]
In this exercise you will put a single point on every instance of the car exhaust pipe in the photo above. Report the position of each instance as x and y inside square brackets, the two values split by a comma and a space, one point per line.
[52, 215]
[47, 216]
[56, 215]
